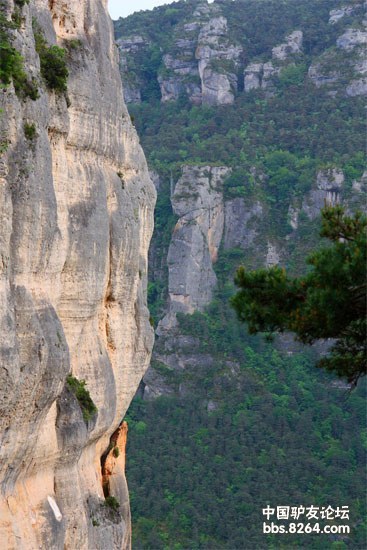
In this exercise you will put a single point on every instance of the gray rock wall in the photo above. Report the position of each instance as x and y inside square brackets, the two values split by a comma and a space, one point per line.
[348, 75]
[203, 62]
[198, 201]
[76, 208]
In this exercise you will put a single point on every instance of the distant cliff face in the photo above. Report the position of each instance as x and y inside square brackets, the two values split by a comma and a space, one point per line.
[198, 201]
[253, 111]
[205, 53]
[201, 62]
[209, 227]
[76, 209]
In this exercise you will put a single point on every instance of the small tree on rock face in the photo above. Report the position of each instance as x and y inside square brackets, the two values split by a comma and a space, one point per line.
[329, 302]
[52, 61]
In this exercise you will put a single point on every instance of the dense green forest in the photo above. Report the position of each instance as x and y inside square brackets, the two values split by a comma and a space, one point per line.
[258, 424]
[279, 435]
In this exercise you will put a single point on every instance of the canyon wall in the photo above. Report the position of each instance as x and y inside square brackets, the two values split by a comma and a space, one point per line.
[76, 217]
[206, 59]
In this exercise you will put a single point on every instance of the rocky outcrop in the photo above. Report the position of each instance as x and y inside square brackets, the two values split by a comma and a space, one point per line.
[338, 13]
[218, 63]
[198, 201]
[76, 220]
[113, 467]
[329, 184]
[272, 255]
[241, 223]
[128, 46]
[344, 67]
[204, 65]
[351, 39]
[261, 75]
[201, 62]
[253, 76]
[292, 46]
[360, 186]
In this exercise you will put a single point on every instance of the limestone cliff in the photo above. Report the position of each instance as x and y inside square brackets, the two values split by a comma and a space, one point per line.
[210, 226]
[76, 209]
[198, 201]
[201, 61]
[201, 52]
[262, 75]
[349, 51]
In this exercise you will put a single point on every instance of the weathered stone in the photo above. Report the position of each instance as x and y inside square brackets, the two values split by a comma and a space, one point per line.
[293, 214]
[351, 39]
[215, 54]
[253, 76]
[327, 190]
[292, 46]
[262, 74]
[338, 13]
[326, 71]
[359, 186]
[272, 256]
[240, 225]
[357, 87]
[127, 46]
[198, 201]
[319, 77]
[76, 219]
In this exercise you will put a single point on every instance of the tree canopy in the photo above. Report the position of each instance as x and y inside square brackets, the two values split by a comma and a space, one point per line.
[328, 302]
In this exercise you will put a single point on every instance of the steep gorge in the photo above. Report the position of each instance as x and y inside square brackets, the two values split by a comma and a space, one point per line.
[243, 155]
[76, 222]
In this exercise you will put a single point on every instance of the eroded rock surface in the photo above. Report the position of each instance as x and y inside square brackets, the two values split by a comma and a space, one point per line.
[202, 62]
[343, 68]
[218, 63]
[327, 190]
[76, 208]
[261, 75]
[198, 201]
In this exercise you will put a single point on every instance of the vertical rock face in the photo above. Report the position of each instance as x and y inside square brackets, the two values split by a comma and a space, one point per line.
[349, 51]
[329, 184]
[261, 75]
[240, 223]
[131, 45]
[202, 62]
[218, 63]
[76, 207]
[198, 200]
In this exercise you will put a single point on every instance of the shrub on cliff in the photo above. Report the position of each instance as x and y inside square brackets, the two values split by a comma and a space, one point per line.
[83, 396]
[11, 64]
[53, 63]
[112, 503]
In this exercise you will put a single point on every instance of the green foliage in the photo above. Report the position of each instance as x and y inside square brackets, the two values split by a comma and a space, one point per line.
[16, 17]
[74, 44]
[21, 3]
[83, 396]
[329, 302]
[4, 144]
[288, 176]
[293, 75]
[240, 183]
[354, 167]
[246, 425]
[112, 503]
[11, 64]
[116, 452]
[280, 432]
[30, 131]
[53, 62]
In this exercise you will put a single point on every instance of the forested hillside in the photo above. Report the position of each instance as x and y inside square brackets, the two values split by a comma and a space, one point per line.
[251, 116]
